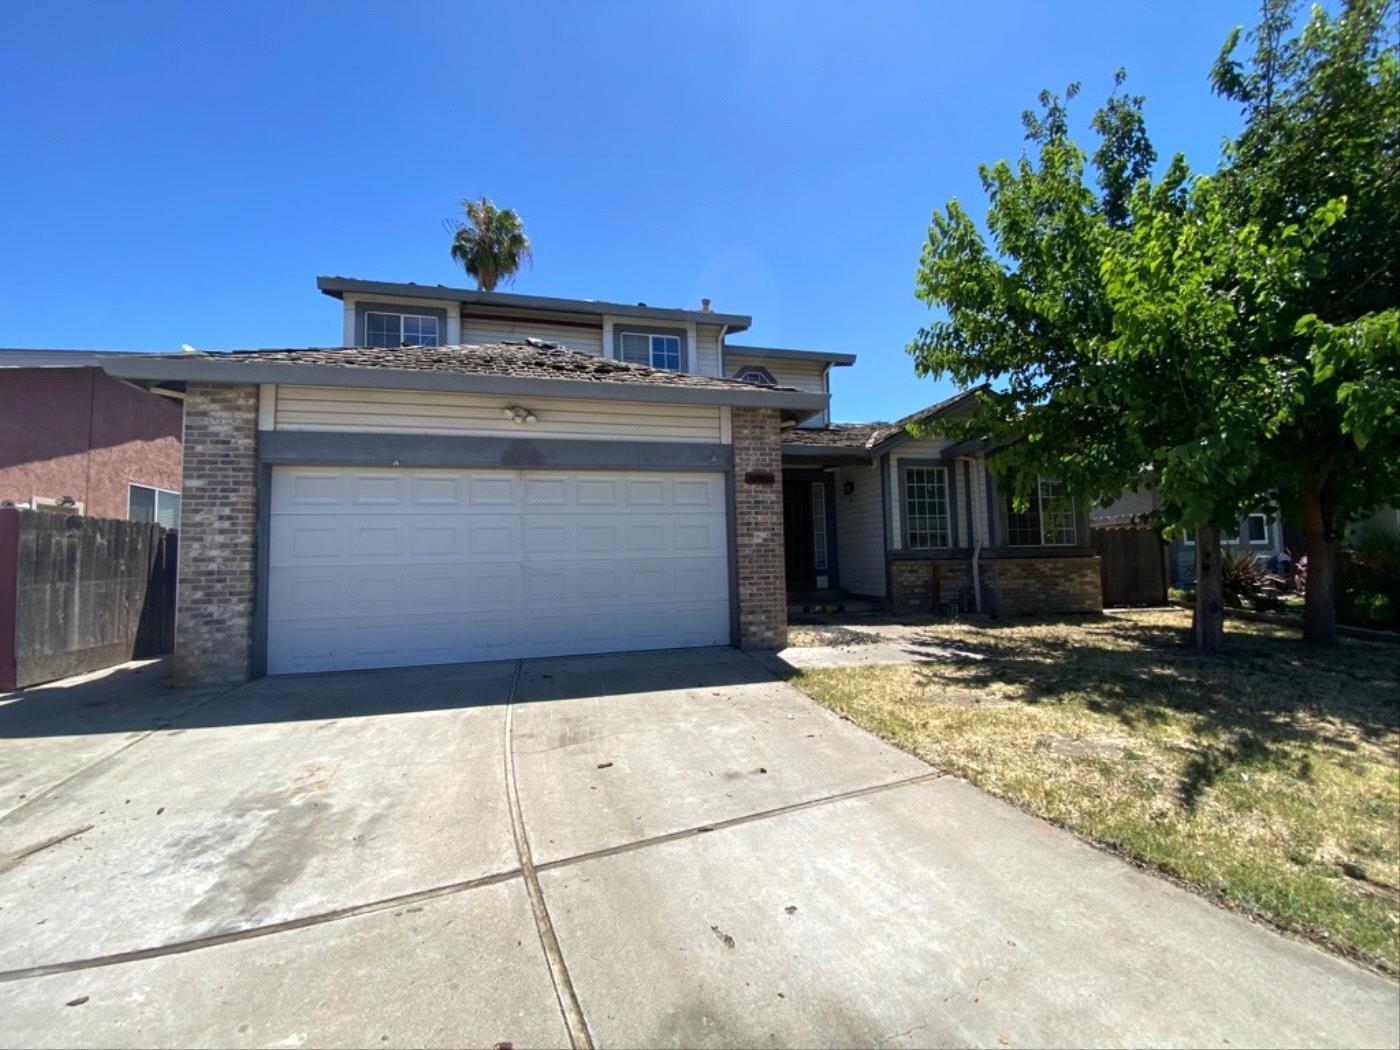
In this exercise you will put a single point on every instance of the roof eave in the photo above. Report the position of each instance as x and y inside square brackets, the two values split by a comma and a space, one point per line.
[776, 353]
[902, 435]
[829, 453]
[339, 287]
[192, 368]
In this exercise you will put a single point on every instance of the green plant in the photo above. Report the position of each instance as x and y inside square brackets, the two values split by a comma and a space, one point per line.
[1182, 596]
[490, 243]
[1242, 577]
[1369, 580]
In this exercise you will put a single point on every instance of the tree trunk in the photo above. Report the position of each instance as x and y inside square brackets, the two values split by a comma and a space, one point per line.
[1208, 621]
[1320, 545]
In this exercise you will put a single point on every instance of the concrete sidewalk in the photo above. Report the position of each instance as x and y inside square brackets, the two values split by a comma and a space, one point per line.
[715, 860]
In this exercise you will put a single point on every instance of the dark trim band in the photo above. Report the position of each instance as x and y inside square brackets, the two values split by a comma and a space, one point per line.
[358, 449]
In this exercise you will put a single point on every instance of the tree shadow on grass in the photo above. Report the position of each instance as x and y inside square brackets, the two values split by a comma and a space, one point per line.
[1257, 702]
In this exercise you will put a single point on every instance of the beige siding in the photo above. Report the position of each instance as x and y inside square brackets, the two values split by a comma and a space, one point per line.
[860, 540]
[478, 330]
[802, 375]
[977, 497]
[706, 350]
[421, 412]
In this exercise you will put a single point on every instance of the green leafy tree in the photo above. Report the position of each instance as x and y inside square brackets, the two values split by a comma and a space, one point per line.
[1322, 130]
[490, 243]
[1235, 334]
[1031, 311]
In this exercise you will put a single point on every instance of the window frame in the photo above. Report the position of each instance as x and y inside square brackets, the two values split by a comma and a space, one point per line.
[1246, 539]
[765, 377]
[157, 492]
[1042, 501]
[402, 316]
[653, 332]
[950, 529]
[652, 338]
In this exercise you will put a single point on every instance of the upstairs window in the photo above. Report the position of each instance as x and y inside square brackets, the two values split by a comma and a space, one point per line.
[927, 522]
[1042, 524]
[400, 330]
[144, 503]
[654, 351]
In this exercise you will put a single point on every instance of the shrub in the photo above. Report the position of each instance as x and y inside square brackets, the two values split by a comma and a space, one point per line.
[1181, 596]
[1242, 577]
[1368, 579]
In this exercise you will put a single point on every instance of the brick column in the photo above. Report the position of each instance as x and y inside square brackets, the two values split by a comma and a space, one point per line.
[218, 515]
[758, 526]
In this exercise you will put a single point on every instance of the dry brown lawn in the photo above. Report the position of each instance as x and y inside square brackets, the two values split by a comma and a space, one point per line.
[1267, 776]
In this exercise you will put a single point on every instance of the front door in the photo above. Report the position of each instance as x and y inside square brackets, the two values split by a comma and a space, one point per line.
[797, 535]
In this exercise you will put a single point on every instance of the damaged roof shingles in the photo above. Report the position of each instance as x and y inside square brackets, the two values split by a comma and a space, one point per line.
[524, 360]
[868, 435]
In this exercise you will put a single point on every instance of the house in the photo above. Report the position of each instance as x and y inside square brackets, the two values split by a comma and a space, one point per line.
[1260, 532]
[483, 475]
[883, 510]
[73, 436]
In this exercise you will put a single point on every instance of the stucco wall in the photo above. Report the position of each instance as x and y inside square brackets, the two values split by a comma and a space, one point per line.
[78, 432]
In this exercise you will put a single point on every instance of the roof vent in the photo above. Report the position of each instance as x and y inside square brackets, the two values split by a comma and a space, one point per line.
[704, 306]
[542, 344]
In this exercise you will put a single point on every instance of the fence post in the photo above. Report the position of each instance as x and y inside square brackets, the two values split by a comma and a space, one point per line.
[9, 595]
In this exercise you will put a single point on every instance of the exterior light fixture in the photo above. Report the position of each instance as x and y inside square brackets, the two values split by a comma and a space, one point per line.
[519, 414]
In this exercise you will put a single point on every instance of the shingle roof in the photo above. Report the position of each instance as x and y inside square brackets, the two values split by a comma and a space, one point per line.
[867, 435]
[523, 360]
[837, 435]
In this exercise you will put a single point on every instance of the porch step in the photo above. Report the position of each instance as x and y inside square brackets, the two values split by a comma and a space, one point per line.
[833, 605]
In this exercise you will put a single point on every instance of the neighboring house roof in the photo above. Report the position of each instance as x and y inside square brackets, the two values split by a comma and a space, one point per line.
[339, 287]
[869, 438]
[18, 358]
[1129, 508]
[531, 368]
[777, 353]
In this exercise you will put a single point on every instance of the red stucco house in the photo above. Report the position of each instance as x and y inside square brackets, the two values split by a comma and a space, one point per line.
[67, 429]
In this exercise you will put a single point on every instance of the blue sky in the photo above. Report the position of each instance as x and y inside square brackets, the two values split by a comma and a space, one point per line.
[181, 173]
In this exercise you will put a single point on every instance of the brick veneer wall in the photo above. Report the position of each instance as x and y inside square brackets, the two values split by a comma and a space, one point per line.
[1031, 586]
[911, 583]
[758, 525]
[218, 513]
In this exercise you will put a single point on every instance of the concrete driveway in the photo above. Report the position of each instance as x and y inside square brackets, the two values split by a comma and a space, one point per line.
[670, 849]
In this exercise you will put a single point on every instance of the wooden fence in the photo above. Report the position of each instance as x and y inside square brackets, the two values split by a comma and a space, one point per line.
[78, 594]
[1132, 564]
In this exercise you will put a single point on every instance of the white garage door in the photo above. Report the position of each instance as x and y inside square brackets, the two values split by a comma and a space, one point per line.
[388, 568]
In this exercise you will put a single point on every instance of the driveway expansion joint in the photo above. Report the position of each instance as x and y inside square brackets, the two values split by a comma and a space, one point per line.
[103, 759]
[253, 932]
[574, 1021]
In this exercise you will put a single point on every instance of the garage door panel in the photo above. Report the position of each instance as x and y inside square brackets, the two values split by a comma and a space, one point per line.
[551, 538]
[496, 534]
[487, 490]
[382, 568]
[368, 490]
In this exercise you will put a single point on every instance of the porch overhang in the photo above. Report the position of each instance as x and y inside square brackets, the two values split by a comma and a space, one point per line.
[824, 455]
